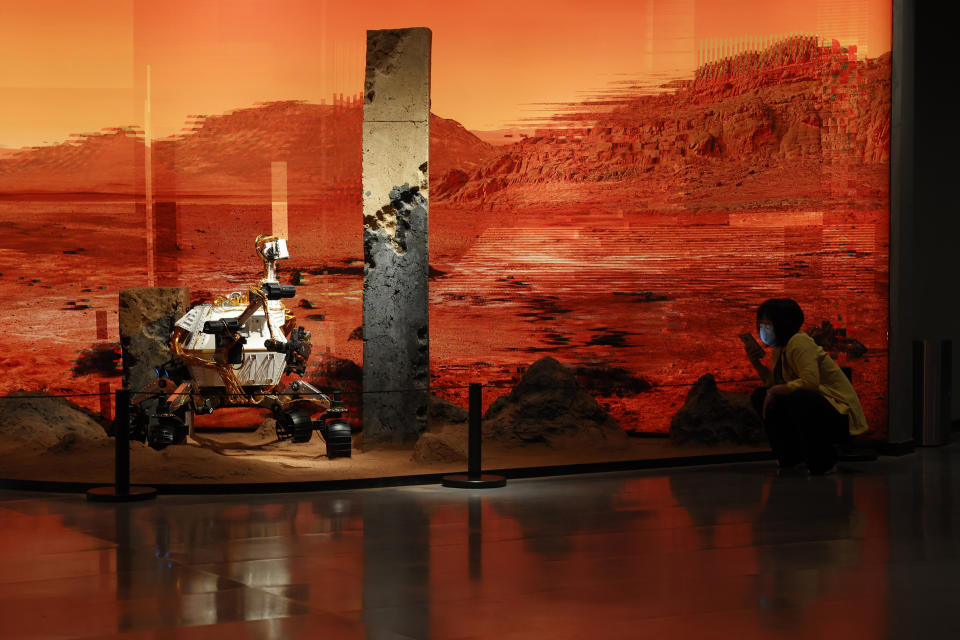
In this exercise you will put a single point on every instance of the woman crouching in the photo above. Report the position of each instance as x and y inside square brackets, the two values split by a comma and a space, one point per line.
[807, 404]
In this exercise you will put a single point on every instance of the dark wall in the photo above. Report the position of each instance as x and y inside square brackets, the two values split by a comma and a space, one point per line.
[925, 234]
[937, 184]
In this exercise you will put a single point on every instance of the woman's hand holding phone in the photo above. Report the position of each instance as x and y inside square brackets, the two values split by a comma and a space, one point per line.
[754, 351]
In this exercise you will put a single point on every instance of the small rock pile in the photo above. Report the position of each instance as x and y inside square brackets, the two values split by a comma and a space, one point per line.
[712, 416]
[549, 406]
[446, 438]
[32, 422]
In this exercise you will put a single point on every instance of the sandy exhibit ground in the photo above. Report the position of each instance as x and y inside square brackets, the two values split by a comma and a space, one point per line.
[547, 419]
[285, 462]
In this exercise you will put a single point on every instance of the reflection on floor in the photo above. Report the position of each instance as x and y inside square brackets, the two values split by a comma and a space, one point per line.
[714, 552]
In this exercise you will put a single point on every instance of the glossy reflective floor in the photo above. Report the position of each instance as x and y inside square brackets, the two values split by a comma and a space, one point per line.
[715, 552]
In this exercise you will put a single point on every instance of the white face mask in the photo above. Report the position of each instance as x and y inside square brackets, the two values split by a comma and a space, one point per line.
[767, 336]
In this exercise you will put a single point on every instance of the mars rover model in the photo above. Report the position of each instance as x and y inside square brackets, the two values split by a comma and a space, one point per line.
[233, 352]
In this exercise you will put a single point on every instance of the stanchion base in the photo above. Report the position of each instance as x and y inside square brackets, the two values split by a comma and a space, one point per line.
[465, 481]
[109, 494]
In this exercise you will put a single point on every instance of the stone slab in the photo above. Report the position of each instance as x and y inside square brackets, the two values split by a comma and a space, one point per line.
[394, 154]
[396, 150]
[397, 79]
[146, 319]
[396, 354]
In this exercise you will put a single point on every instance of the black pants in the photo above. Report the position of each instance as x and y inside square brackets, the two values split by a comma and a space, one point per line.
[803, 426]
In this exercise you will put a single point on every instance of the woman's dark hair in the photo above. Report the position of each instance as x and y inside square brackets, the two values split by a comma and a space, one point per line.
[785, 315]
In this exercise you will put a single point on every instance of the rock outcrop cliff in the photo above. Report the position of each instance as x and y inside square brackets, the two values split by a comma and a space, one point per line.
[797, 104]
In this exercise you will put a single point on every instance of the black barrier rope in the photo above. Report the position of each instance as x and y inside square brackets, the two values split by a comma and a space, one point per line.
[54, 395]
[490, 385]
[46, 396]
[510, 385]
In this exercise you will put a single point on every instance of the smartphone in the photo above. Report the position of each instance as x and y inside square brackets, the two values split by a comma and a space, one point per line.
[749, 341]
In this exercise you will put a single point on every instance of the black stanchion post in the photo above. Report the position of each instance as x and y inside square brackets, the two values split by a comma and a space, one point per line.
[474, 433]
[474, 478]
[121, 491]
[121, 443]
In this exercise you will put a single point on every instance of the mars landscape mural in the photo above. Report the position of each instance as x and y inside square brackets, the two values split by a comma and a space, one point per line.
[618, 198]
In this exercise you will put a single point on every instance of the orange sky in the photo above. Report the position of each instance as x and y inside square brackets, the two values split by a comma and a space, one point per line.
[72, 66]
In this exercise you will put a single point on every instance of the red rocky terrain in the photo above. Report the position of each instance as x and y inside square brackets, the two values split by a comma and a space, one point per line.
[792, 106]
[226, 154]
[795, 105]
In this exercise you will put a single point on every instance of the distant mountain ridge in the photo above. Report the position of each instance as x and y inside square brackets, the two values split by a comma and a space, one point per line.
[227, 154]
[795, 108]
[797, 104]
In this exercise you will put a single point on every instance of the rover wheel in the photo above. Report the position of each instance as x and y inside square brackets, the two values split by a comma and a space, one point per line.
[295, 425]
[303, 433]
[137, 427]
[337, 435]
[181, 430]
[166, 430]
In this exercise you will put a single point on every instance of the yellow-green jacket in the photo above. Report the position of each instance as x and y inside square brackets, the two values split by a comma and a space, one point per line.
[805, 365]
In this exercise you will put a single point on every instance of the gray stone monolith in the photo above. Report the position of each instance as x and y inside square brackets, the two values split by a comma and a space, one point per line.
[147, 315]
[396, 144]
